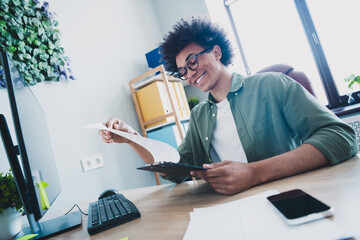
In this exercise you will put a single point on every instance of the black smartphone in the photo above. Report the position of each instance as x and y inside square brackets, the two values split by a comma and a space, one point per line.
[297, 207]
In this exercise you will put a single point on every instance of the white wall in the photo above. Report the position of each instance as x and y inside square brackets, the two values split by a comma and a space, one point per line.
[107, 42]
[171, 11]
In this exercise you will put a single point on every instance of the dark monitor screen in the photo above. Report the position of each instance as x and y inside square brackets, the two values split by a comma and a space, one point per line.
[37, 158]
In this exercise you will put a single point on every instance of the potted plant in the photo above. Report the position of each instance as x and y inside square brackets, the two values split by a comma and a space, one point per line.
[193, 101]
[351, 80]
[11, 207]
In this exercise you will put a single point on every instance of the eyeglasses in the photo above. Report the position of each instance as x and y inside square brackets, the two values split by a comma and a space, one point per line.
[192, 63]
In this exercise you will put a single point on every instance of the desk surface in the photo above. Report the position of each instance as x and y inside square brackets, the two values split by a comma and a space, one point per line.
[165, 209]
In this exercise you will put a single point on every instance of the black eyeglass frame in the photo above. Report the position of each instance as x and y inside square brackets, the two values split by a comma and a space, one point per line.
[181, 76]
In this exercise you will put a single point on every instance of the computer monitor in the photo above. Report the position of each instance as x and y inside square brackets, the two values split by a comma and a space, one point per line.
[35, 172]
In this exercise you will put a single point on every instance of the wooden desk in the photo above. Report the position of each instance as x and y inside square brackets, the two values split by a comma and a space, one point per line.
[165, 209]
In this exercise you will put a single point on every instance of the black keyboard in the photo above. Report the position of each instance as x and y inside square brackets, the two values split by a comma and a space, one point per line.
[109, 212]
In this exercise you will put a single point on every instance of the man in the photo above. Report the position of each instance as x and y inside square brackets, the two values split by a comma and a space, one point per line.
[251, 129]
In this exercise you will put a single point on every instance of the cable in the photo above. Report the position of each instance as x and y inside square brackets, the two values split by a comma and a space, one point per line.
[78, 208]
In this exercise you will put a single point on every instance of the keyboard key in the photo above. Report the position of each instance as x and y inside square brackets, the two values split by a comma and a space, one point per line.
[120, 207]
[103, 215]
[127, 206]
[109, 213]
[114, 209]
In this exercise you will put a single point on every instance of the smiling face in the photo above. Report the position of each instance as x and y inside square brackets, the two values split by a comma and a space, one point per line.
[206, 76]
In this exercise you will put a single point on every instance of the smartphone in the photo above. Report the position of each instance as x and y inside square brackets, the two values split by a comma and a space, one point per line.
[297, 207]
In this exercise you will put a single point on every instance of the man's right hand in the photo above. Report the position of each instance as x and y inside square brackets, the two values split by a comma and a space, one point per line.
[114, 123]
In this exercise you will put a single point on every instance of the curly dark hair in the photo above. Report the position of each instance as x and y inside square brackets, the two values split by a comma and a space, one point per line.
[199, 30]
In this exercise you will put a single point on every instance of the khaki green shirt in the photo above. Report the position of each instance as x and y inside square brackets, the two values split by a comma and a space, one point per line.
[273, 114]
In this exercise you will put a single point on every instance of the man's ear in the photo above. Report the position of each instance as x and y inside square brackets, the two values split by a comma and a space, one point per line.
[217, 52]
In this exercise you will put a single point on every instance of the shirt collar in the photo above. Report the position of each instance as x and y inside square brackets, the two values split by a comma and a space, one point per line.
[236, 84]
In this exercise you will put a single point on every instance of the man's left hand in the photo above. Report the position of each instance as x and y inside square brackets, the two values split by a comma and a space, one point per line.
[227, 177]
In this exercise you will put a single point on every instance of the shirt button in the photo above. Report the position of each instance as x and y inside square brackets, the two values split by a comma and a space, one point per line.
[206, 138]
[213, 115]
[236, 94]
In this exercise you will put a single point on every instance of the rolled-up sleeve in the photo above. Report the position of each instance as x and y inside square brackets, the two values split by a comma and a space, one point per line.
[315, 124]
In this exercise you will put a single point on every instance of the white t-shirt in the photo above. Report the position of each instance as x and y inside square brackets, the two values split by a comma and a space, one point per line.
[225, 139]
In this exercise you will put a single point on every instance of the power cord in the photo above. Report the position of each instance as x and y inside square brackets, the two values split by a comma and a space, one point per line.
[75, 205]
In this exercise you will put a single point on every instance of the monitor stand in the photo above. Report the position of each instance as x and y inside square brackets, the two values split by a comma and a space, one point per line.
[54, 226]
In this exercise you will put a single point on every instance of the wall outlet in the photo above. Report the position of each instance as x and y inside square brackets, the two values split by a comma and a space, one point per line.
[92, 162]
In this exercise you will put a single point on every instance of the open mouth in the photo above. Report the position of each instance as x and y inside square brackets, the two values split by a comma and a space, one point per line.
[199, 79]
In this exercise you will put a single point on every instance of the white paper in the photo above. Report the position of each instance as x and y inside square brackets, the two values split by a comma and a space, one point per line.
[253, 218]
[161, 152]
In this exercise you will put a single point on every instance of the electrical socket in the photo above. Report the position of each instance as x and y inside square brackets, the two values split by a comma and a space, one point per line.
[92, 162]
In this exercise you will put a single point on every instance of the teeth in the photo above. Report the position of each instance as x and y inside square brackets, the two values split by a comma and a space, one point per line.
[199, 79]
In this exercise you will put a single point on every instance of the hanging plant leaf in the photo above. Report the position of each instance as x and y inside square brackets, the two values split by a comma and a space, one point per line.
[20, 33]
[44, 56]
[16, 2]
[27, 56]
[44, 38]
[42, 65]
[11, 49]
[5, 7]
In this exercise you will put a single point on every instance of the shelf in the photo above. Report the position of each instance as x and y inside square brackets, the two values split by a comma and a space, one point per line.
[166, 124]
[144, 80]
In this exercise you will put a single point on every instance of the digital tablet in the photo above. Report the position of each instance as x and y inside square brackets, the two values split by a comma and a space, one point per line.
[171, 168]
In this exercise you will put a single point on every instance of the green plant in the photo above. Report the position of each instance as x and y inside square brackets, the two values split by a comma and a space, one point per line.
[29, 33]
[9, 196]
[193, 101]
[352, 79]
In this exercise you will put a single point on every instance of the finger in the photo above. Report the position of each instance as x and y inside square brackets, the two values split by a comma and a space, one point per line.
[199, 174]
[111, 122]
[117, 126]
[217, 164]
[214, 172]
[106, 136]
[123, 125]
[209, 175]
[214, 181]
[126, 128]
[102, 135]
[103, 132]
[217, 182]
[222, 188]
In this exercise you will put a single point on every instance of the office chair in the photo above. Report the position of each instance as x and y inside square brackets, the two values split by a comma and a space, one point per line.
[298, 76]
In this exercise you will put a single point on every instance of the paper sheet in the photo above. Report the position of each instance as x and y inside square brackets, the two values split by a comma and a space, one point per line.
[160, 151]
[253, 218]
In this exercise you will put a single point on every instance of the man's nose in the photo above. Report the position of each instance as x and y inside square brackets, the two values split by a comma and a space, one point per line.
[190, 73]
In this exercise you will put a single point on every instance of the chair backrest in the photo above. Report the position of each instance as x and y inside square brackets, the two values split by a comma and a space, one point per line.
[298, 76]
